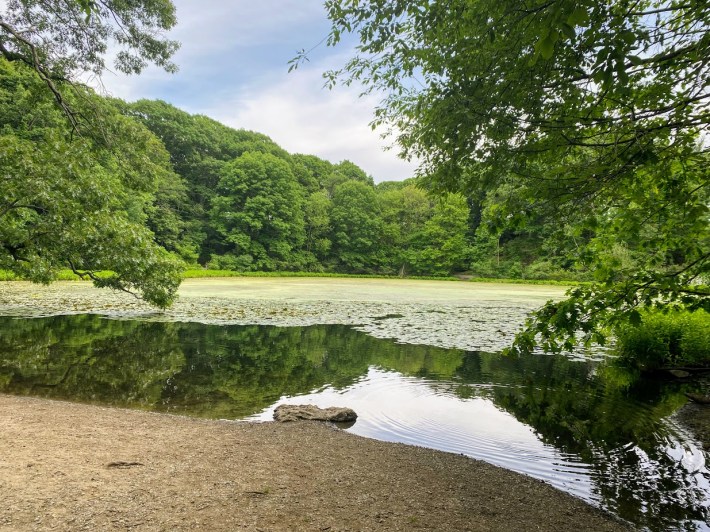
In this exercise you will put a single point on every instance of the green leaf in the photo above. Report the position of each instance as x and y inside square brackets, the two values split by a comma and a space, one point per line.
[635, 318]
[629, 37]
[568, 31]
[546, 46]
[579, 17]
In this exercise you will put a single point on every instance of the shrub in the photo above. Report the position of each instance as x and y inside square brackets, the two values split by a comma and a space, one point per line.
[7, 276]
[546, 270]
[678, 338]
[231, 262]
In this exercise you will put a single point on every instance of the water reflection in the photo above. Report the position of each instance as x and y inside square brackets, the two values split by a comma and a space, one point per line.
[394, 407]
[590, 430]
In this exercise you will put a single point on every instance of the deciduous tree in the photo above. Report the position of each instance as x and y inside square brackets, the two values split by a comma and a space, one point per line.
[594, 111]
[258, 210]
[357, 227]
[78, 203]
[62, 40]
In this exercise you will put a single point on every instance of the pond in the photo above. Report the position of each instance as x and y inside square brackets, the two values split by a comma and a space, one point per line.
[577, 424]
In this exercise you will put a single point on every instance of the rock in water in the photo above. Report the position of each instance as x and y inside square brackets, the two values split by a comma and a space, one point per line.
[699, 398]
[285, 413]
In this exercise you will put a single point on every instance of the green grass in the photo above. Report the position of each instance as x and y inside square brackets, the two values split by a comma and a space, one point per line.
[62, 275]
[68, 275]
[199, 274]
[7, 276]
[526, 281]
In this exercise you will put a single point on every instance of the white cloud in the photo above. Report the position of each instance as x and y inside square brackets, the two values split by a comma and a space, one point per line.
[214, 25]
[233, 68]
[303, 117]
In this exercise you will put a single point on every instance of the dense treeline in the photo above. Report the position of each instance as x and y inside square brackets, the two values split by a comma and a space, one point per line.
[232, 199]
[245, 204]
[222, 198]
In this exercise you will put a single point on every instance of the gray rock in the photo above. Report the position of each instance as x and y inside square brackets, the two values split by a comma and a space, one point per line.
[679, 373]
[699, 398]
[335, 414]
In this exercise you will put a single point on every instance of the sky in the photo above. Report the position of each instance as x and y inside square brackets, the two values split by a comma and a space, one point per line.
[233, 65]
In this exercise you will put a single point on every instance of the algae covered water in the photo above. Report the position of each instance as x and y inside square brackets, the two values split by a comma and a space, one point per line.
[580, 426]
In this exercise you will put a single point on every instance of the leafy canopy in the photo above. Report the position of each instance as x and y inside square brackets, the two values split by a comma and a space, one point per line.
[258, 210]
[82, 201]
[595, 112]
[68, 37]
[64, 39]
[79, 203]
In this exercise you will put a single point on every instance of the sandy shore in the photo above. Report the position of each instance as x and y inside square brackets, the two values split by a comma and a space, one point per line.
[66, 466]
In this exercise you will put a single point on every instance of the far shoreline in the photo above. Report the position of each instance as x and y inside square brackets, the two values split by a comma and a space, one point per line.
[204, 273]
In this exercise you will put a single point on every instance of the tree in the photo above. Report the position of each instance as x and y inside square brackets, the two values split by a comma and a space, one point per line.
[80, 197]
[354, 172]
[63, 39]
[258, 211]
[440, 247]
[317, 222]
[357, 227]
[405, 210]
[311, 171]
[594, 111]
[341, 173]
[199, 148]
[78, 203]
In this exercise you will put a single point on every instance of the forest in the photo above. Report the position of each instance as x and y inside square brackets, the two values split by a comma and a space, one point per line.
[230, 199]
[581, 156]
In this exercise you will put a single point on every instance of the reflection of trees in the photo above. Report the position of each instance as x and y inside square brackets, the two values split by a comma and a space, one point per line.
[75, 357]
[235, 371]
[210, 371]
[618, 430]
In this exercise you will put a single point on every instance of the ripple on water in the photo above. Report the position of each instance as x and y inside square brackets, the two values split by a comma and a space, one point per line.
[547, 417]
[418, 411]
[392, 407]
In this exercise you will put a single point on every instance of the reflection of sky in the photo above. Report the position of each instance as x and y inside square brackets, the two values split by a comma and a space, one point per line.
[392, 407]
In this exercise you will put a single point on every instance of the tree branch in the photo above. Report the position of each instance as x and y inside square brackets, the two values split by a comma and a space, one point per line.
[42, 72]
[90, 274]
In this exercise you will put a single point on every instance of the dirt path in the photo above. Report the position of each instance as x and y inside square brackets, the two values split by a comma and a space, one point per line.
[66, 466]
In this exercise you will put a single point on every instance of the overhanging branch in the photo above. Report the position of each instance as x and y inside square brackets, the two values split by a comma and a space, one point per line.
[34, 61]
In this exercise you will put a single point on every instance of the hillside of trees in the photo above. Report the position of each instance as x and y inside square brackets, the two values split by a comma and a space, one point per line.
[232, 199]
[243, 203]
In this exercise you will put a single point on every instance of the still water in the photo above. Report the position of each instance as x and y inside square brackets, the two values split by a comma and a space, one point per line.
[589, 429]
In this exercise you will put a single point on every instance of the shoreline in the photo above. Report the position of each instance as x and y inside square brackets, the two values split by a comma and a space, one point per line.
[226, 475]
[70, 466]
[447, 314]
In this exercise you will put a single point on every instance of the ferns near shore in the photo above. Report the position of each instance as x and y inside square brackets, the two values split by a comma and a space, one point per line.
[671, 339]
